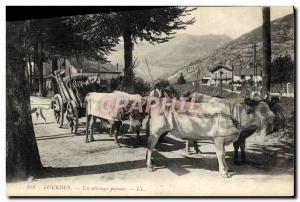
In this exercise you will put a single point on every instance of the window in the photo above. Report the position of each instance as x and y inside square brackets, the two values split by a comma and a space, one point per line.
[242, 76]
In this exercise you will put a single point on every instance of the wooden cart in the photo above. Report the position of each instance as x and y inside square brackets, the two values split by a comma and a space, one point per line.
[69, 102]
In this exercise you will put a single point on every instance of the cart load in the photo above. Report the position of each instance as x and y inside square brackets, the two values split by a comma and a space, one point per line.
[68, 102]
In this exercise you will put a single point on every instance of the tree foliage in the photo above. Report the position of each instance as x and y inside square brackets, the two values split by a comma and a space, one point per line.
[153, 25]
[141, 87]
[69, 36]
[282, 69]
[181, 79]
[95, 37]
[63, 37]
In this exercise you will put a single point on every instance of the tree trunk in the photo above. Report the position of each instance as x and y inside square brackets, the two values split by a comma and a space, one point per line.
[40, 66]
[30, 76]
[54, 68]
[36, 67]
[54, 63]
[128, 69]
[22, 156]
[79, 60]
[266, 48]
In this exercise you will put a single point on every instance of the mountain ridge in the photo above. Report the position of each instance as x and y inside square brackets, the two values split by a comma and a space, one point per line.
[241, 48]
[170, 55]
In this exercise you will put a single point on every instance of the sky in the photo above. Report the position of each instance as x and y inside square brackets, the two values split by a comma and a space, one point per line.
[232, 21]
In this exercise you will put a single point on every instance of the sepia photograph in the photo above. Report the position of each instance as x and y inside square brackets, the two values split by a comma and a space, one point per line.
[166, 101]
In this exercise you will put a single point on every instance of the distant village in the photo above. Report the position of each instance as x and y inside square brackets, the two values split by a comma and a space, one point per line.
[225, 75]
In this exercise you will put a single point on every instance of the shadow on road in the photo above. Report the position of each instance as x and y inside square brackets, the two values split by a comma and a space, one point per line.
[43, 123]
[94, 169]
[261, 159]
[278, 158]
[49, 137]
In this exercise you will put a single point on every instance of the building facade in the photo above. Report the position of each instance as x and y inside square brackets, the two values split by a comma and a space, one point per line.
[225, 75]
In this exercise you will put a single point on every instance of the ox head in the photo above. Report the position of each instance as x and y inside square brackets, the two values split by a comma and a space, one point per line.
[280, 114]
[269, 113]
[260, 95]
[137, 112]
[274, 104]
[257, 115]
[259, 112]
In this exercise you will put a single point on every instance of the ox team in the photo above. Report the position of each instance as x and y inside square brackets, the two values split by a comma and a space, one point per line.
[223, 121]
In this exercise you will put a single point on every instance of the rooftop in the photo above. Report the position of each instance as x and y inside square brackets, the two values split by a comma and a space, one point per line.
[219, 67]
[93, 66]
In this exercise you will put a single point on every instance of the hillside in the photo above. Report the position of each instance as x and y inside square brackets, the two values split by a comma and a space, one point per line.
[282, 31]
[170, 55]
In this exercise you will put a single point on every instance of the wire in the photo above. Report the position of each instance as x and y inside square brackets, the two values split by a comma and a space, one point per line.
[149, 70]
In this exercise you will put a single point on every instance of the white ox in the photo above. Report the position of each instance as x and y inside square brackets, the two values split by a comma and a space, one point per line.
[275, 107]
[112, 107]
[220, 122]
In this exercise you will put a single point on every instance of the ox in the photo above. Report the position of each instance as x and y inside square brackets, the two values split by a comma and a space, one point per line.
[112, 107]
[162, 91]
[220, 122]
[254, 96]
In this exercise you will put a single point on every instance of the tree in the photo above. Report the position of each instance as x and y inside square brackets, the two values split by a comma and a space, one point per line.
[34, 34]
[50, 39]
[22, 156]
[63, 37]
[141, 87]
[266, 48]
[94, 35]
[282, 69]
[153, 25]
[181, 79]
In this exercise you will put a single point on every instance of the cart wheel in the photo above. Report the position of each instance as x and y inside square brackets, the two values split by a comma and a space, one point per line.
[58, 110]
[72, 117]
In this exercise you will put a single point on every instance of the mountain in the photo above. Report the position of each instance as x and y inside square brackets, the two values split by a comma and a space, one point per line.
[170, 55]
[241, 50]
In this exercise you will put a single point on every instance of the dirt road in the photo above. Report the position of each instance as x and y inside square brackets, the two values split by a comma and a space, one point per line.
[101, 168]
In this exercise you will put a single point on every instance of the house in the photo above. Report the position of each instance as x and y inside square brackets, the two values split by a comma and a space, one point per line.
[247, 74]
[107, 71]
[206, 80]
[221, 73]
[224, 73]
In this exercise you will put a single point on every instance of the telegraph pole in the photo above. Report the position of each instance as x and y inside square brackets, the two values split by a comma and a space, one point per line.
[221, 81]
[197, 86]
[254, 65]
[232, 76]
